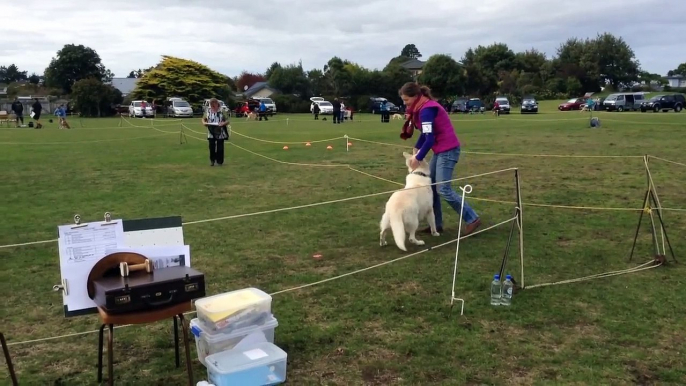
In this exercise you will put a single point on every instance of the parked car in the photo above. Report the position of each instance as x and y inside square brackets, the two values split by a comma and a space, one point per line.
[623, 102]
[268, 102]
[135, 109]
[325, 107]
[572, 104]
[474, 105]
[459, 106]
[222, 106]
[665, 103]
[504, 104]
[529, 105]
[375, 105]
[177, 107]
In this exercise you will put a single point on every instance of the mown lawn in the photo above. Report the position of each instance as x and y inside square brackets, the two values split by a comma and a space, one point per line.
[386, 326]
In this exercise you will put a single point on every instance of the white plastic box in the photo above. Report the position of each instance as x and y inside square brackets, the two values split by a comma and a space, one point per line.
[207, 343]
[252, 365]
[234, 310]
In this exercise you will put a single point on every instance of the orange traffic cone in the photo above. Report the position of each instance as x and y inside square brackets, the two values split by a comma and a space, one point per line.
[285, 147]
[350, 143]
[329, 147]
[308, 144]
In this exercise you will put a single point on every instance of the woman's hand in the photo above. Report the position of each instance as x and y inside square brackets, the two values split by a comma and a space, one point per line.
[414, 163]
[415, 151]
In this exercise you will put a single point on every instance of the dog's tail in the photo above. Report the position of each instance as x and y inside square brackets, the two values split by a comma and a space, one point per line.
[398, 228]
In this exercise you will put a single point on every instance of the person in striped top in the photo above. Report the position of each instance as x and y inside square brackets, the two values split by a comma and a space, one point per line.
[216, 121]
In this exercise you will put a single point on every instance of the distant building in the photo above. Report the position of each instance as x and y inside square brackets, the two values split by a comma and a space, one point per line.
[259, 90]
[676, 81]
[414, 66]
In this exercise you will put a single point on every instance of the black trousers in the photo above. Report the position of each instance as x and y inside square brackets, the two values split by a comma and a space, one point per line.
[337, 116]
[216, 150]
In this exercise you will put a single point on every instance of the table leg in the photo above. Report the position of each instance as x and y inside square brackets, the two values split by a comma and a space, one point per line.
[110, 356]
[100, 346]
[189, 367]
[176, 341]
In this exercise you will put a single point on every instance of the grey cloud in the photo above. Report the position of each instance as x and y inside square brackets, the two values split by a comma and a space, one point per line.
[235, 36]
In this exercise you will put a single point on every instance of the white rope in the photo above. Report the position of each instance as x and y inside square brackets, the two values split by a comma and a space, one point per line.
[292, 288]
[639, 268]
[666, 160]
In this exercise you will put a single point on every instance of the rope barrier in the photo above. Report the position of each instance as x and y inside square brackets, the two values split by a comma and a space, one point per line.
[639, 268]
[294, 288]
[666, 160]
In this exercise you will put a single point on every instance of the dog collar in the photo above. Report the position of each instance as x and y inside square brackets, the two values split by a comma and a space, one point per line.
[419, 174]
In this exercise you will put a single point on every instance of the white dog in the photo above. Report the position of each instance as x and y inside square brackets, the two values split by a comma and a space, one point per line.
[397, 116]
[251, 115]
[406, 208]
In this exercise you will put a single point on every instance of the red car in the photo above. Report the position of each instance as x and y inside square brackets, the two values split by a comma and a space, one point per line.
[572, 104]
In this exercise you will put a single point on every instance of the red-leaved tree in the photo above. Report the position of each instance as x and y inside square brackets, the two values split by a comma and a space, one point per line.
[248, 79]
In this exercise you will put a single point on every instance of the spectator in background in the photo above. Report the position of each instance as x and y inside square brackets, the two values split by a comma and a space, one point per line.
[315, 111]
[263, 111]
[336, 111]
[383, 109]
[341, 117]
[18, 110]
[144, 105]
[37, 108]
[217, 132]
[61, 113]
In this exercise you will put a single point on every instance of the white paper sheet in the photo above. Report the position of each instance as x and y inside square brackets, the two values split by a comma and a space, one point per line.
[80, 248]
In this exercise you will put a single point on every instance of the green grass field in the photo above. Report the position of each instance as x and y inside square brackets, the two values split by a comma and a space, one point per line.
[386, 326]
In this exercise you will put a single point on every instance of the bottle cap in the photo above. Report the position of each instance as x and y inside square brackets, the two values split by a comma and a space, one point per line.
[508, 276]
[496, 276]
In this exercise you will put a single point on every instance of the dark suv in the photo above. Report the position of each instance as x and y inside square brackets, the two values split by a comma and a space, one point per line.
[665, 103]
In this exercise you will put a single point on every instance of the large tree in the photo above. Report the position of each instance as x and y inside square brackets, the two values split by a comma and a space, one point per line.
[290, 79]
[183, 78]
[443, 75]
[616, 62]
[92, 98]
[10, 74]
[74, 63]
[680, 70]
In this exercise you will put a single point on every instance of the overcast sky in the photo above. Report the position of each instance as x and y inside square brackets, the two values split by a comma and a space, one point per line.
[232, 36]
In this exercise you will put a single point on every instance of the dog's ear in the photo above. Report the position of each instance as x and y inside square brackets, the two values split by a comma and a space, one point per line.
[407, 155]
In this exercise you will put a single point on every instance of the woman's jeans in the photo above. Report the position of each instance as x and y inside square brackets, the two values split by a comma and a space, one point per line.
[442, 166]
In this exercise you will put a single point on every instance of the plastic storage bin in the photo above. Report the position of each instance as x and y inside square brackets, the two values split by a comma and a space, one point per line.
[250, 365]
[234, 310]
[207, 343]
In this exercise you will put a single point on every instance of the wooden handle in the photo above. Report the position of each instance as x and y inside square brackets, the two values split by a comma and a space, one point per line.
[125, 268]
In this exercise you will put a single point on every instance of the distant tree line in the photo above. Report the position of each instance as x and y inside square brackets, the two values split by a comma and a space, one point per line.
[578, 66]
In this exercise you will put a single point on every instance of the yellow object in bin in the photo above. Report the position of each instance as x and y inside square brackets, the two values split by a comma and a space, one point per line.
[236, 307]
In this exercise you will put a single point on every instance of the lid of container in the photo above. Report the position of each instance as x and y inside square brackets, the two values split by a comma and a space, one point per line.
[197, 327]
[220, 306]
[236, 360]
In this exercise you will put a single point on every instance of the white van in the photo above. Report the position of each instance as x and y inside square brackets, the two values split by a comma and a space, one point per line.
[268, 103]
[325, 107]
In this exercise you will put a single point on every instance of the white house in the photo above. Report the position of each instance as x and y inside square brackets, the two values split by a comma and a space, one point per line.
[259, 90]
[676, 81]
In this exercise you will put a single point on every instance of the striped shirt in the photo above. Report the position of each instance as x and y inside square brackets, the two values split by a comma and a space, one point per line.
[214, 131]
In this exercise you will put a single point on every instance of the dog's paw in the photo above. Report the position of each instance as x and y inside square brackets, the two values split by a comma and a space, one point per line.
[435, 234]
[383, 243]
[417, 242]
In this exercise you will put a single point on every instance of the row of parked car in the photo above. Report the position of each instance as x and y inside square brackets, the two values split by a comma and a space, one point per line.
[179, 108]
[628, 102]
[529, 105]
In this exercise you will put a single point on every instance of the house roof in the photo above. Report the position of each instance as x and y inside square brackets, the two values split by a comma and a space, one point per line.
[677, 76]
[257, 87]
[413, 64]
[125, 85]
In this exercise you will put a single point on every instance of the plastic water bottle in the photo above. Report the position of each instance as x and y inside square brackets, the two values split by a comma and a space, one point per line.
[496, 291]
[508, 289]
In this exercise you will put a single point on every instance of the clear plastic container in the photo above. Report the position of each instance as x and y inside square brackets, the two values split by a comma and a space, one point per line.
[234, 310]
[207, 343]
[250, 365]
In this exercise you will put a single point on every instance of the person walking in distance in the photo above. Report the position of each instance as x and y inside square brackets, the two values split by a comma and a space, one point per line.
[37, 108]
[18, 109]
[437, 134]
[217, 132]
[336, 111]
